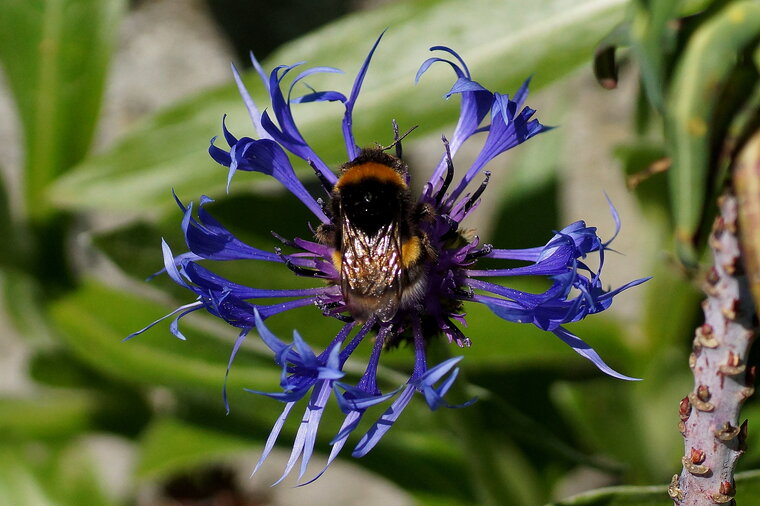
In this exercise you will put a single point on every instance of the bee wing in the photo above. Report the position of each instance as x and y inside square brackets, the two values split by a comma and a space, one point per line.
[371, 265]
[371, 268]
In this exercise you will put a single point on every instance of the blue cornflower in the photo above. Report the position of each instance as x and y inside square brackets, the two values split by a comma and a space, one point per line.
[443, 257]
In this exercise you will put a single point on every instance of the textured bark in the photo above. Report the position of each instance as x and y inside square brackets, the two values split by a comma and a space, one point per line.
[713, 437]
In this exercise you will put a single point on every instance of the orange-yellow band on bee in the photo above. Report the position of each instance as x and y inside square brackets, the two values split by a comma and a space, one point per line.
[337, 260]
[410, 251]
[371, 170]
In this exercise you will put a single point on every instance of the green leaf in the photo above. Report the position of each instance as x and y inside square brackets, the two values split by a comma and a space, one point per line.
[652, 37]
[691, 7]
[170, 446]
[50, 475]
[747, 492]
[751, 458]
[708, 60]
[21, 297]
[415, 460]
[55, 54]
[656, 495]
[52, 414]
[747, 486]
[18, 483]
[644, 164]
[548, 38]
[418, 458]
[605, 61]
[94, 320]
[631, 422]
[8, 231]
[76, 479]
[95, 330]
[667, 320]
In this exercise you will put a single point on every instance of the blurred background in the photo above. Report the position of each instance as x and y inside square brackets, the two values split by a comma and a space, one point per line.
[106, 106]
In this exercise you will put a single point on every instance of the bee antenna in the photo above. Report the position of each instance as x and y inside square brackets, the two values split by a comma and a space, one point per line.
[397, 139]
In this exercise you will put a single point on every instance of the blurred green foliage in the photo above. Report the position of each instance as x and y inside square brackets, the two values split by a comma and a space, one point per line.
[543, 412]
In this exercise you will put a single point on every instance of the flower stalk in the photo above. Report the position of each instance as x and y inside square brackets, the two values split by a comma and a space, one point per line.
[713, 437]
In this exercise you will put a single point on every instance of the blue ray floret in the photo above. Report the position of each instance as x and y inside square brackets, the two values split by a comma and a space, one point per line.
[452, 275]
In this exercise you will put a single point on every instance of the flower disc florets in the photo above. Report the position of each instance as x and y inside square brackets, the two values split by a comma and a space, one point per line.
[388, 263]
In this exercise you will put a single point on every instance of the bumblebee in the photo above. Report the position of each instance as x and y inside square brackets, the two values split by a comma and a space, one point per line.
[380, 250]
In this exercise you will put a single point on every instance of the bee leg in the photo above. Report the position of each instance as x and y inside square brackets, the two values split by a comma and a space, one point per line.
[326, 234]
[428, 250]
[328, 309]
[423, 212]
